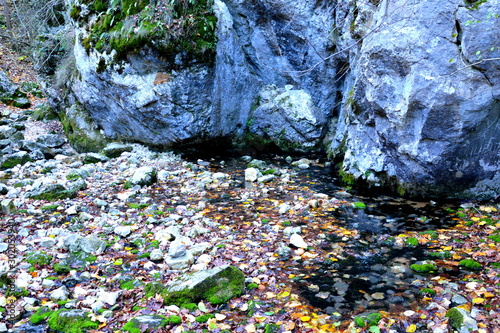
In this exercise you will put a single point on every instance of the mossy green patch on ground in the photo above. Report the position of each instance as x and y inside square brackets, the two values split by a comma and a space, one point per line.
[61, 268]
[423, 268]
[169, 27]
[411, 242]
[150, 323]
[371, 319]
[40, 315]
[71, 321]
[38, 258]
[204, 318]
[470, 264]
[428, 291]
[455, 317]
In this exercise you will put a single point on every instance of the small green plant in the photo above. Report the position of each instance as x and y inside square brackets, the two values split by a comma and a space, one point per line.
[432, 233]
[423, 268]
[369, 320]
[494, 238]
[190, 306]
[428, 291]
[252, 286]
[138, 206]
[470, 264]
[358, 205]
[204, 318]
[271, 328]
[61, 268]
[411, 242]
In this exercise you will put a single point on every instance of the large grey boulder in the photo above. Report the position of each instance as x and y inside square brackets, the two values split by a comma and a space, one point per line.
[217, 285]
[271, 42]
[421, 112]
[7, 88]
[144, 176]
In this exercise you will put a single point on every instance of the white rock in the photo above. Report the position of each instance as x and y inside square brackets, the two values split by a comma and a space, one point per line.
[108, 297]
[220, 175]
[297, 241]
[284, 208]
[177, 249]
[46, 283]
[73, 210]
[180, 262]
[204, 258]
[123, 230]
[292, 230]
[252, 174]
[60, 294]
[47, 242]
[79, 291]
[156, 254]
[23, 280]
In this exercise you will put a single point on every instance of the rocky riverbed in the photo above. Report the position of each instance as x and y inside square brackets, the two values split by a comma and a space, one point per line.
[94, 233]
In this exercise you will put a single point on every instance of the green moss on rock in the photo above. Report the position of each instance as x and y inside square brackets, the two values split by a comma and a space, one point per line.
[150, 323]
[470, 264]
[217, 285]
[40, 315]
[71, 321]
[423, 268]
[38, 258]
[82, 132]
[204, 318]
[455, 317]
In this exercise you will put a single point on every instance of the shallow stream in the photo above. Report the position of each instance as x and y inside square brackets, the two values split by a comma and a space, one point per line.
[373, 272]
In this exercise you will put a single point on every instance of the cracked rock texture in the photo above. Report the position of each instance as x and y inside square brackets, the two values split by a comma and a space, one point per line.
[398, 91]
[420, 114]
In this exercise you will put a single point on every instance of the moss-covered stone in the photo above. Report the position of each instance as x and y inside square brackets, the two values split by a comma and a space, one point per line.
[71, 321]
[470, 264]
[217, 285]
[40, 315]
[128, 25]
[38, 258]
[149, 323]
[52, 192]
[455, 318]
[10, 161]
[423, 268]
[411, 242]
[82, 132]
[204, 318]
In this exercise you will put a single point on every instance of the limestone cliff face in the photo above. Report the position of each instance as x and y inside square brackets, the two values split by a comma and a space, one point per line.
[262, 45]
[421, 109]
[402, 92]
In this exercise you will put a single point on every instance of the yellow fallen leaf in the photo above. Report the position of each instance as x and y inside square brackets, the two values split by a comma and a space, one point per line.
[283, 294]
[305, 318]
[412, 328]
[475, 218]
[478, 300]
[488, 295]
[447, 248]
